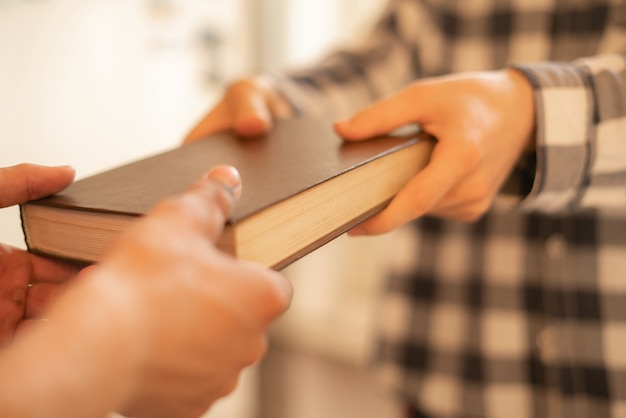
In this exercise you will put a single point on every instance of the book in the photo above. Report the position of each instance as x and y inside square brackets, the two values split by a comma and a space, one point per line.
[302, 187]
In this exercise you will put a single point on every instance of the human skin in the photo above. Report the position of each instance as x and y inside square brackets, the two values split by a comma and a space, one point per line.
[482, 122]
[28, 282]
[161, 327]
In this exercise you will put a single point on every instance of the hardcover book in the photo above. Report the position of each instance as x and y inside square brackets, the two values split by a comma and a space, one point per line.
[302, 187]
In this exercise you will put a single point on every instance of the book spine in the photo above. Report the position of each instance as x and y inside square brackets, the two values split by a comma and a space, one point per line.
[24, 228]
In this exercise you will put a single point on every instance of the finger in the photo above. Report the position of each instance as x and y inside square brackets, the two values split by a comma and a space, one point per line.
[206, 206]
[39, 297]
[228, 177]
[422, 193]
[269, 292]
[218, 120]
[215, 195]
[30, 181]
[14, 277]
[464, 213]
[461, 209]
[52, 271]
[249, 105]
[244, 108]
[381, 117]
[27, 324]
[279, 107]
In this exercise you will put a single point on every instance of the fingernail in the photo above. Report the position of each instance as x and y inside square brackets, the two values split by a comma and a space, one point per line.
[68, 168]
[341, 122]
[227, 176]
[356, 231]
[253, 126]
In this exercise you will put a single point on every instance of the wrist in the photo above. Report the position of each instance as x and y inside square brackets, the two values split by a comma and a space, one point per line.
[524, 96]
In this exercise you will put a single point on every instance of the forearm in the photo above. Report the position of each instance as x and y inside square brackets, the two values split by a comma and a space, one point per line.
[78, 363]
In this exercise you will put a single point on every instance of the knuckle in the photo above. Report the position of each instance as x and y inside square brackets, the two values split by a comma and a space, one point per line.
[420, 207]
[168, 205]
[227, 387]
[482, 207]
[479, 191]
[208, 206]
[172, 209]
[277, 296]
[472, 151]
[245, 86]
[256, 351]
[476, 211]
[215, 195]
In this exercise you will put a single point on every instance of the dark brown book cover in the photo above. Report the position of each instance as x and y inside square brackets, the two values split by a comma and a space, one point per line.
[297, 155]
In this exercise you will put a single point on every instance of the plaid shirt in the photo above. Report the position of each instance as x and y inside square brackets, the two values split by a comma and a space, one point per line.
[523, 313]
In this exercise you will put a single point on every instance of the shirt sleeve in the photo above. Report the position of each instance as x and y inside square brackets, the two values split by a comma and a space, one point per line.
[581, 134]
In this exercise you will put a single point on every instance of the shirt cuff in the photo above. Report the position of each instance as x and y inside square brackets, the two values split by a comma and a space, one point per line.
[564, 112]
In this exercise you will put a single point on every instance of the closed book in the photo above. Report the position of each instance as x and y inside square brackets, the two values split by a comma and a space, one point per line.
[302, 187]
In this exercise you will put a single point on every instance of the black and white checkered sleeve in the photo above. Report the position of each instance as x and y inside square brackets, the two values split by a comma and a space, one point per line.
[581, 134]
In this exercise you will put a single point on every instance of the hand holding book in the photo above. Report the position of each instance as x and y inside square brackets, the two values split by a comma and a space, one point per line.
[27, 281]
[482, 121]
[304, 187]
[162, 325]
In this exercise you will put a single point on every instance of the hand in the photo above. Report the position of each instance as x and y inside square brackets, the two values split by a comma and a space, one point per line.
[166, 322]
[248, 107]
[482, 121]
[28, 282]
[205, 312]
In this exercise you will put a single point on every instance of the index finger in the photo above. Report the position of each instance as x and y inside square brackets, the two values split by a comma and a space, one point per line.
[243, 109]
[383, 116]
[24, 182]
[217, 120]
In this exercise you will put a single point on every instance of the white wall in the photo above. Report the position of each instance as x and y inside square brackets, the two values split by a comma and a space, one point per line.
[93, 83]
[315, 27]
[294, 33]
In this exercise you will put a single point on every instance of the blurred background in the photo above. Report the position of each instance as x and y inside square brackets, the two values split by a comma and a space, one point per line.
[97, 83]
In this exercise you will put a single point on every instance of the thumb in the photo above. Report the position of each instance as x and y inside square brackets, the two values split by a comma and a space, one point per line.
[218, 190]
[380, 118]
[25, 182]
[244, 109]
[203, 209]
[228, 178]
[217, 120]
